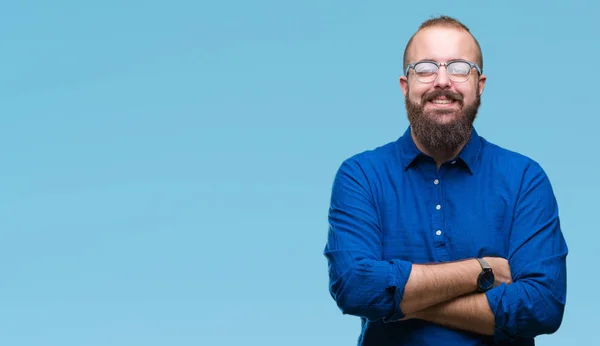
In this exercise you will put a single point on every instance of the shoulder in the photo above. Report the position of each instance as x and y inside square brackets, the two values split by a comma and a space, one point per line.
[516, 169]
[508, 159]
[369, 162]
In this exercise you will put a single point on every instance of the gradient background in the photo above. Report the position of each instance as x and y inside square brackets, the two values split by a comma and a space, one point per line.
[165, 167]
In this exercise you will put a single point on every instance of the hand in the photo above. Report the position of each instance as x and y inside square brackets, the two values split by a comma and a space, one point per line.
[501, 270]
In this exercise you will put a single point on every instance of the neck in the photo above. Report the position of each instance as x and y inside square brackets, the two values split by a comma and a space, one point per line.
[440, 156]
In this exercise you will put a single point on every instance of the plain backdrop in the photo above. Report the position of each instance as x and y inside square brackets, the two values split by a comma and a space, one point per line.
[166, 166]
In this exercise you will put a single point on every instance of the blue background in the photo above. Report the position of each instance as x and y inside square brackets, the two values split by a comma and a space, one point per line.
[165, 167]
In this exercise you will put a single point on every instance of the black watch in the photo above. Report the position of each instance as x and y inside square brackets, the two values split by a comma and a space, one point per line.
[486, 278]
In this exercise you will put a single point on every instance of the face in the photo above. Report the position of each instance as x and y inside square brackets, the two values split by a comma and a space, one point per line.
[441, 113]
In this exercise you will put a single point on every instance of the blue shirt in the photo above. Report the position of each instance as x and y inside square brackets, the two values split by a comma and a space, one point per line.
[391, 207]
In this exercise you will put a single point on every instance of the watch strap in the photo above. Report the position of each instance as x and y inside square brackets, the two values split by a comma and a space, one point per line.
[484, 264]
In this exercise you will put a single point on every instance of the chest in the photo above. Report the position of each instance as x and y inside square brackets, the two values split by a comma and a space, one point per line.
[437, 217]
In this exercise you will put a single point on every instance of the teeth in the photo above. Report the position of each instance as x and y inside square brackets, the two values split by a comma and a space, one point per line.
[442, 102]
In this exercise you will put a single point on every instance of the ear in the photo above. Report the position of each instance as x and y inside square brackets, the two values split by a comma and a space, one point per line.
[404, 85]
[482, 80]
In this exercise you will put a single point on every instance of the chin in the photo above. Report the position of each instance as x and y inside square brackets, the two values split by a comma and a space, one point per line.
[444, 117]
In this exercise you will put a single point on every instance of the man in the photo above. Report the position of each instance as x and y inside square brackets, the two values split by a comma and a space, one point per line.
[441, 237]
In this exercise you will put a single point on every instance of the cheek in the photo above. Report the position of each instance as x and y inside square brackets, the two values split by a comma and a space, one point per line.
[470, 98]
[415, 94]
[469, 94]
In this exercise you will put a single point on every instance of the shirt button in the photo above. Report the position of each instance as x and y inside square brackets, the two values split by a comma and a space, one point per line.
[438, 207]
[436, 182]
[453, 162]
[438, 232]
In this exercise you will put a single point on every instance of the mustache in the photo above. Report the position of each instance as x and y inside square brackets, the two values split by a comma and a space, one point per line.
[454, 96]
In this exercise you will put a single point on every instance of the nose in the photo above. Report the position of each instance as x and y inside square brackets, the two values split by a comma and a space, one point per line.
[442, 81]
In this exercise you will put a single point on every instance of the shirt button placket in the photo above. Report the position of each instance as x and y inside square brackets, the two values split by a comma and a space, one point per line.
[438, 222]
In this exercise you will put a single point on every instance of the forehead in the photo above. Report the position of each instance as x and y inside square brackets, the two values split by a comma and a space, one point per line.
[442, 44]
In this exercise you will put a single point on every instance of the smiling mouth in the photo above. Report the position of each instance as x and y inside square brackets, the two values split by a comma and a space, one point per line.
[442, 102]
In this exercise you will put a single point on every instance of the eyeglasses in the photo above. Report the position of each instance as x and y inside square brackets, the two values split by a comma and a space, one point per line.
[458, 71]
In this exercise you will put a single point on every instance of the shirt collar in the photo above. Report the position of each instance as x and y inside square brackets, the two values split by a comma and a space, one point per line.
[468, 155]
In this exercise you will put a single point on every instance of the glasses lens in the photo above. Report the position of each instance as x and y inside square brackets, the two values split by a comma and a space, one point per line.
[459, 71]
[426, 71]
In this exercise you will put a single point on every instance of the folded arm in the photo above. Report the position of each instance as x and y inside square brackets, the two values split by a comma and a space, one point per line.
[534, 303]
[361, 282]
[470, 313]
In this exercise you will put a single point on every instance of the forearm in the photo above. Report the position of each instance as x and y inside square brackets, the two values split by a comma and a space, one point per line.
[469, 313]
[429, 285]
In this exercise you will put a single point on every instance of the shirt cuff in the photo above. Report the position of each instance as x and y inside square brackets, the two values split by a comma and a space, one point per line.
[398, 276]
[494, 297]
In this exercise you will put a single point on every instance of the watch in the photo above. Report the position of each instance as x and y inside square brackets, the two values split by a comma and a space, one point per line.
[486, 278]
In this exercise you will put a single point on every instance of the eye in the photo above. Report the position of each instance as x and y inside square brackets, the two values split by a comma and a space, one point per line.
[459, 68]
[425, 68]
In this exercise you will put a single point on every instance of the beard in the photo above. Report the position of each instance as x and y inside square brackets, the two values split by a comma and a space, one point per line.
[442, 137]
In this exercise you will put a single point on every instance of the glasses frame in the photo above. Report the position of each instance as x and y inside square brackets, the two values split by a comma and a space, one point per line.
[438, 64]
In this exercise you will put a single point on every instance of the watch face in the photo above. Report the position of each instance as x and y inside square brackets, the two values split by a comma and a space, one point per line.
[486, 280]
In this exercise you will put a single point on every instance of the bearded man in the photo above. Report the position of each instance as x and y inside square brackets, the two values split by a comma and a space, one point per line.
[441, 237]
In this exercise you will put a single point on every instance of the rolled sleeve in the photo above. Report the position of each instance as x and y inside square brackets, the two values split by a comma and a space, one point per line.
[534, 303]
[399, 273]
[360, 281]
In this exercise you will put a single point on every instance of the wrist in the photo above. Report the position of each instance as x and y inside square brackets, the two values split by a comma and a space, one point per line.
[476, 272]
[485, 277]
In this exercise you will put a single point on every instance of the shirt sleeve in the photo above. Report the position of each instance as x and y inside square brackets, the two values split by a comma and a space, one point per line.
[534, 303]
[361, 283]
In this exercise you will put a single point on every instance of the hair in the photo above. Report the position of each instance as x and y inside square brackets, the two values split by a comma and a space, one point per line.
[447, 22]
